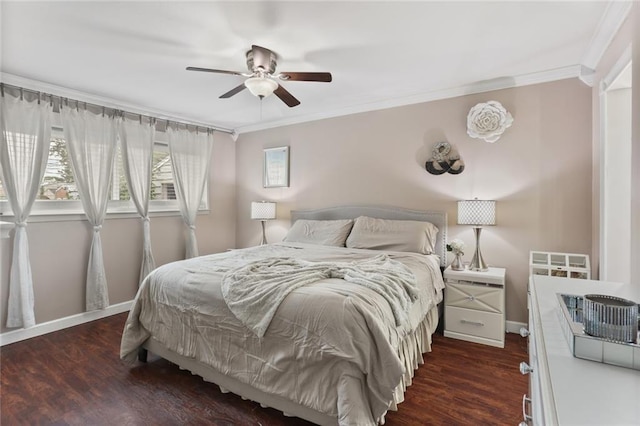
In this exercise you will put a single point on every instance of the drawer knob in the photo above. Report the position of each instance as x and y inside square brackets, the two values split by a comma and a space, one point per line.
[525, 368]
[524, 332]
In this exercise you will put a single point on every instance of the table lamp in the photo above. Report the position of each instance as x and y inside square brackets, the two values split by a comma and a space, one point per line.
[478, 213]
[263, 211]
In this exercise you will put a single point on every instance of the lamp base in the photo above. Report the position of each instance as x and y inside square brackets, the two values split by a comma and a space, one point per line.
[477, 263]
[264, 235]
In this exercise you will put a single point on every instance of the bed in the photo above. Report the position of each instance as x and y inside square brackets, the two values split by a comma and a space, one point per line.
[340, 341]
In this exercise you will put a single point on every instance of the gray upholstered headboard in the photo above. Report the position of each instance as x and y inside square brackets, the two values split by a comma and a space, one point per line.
[438, 218]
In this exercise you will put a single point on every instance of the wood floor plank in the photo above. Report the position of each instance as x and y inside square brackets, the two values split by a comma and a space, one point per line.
[75, 377]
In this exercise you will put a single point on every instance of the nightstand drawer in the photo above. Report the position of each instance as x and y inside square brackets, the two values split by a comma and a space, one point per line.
[475, 323]
[478, 297]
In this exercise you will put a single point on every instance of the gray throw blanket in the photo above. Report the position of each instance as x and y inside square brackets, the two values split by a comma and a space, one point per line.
[254, 291]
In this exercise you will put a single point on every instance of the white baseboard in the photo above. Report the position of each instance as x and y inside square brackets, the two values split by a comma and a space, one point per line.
[514, 327]
[62, 323]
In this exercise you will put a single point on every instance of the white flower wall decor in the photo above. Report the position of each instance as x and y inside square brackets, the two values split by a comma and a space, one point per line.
[488, 121]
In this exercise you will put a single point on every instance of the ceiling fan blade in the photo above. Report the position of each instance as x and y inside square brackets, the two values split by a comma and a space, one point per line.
[261, 57]
[324, 77]
[213, 70]
[233, 91]
[286, 97]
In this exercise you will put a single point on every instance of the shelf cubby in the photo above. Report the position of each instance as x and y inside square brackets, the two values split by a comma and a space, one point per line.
[568, 265]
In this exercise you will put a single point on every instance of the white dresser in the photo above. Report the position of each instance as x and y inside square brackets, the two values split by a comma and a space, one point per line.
[565, 390]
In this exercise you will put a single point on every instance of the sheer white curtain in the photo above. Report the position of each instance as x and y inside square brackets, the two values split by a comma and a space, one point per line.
[91, 141]
[26, 131]
[137, 138]
[190, 159]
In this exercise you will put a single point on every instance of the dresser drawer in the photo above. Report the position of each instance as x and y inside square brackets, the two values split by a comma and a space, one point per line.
[478, 297]
[473, 322]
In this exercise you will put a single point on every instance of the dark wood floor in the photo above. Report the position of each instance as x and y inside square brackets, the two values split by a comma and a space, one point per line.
[74, 377]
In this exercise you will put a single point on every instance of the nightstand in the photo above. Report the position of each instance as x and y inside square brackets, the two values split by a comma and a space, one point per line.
[474, 306]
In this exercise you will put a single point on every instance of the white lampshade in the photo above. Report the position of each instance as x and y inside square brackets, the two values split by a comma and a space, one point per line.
[260, 86]
[476, 212]
[263, 210]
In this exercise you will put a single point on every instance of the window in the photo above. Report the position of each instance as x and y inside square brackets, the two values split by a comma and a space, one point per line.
[119, 187]
[55, 183]
[168, 191]
[58, 182]
[59, 195]
[162, 187]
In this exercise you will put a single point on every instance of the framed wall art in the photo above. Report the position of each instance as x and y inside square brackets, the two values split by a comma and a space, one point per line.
[276, 167]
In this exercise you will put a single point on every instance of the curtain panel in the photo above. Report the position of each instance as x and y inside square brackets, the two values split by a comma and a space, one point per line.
[137, 137]
[26, 131]
[91, 140]
[190, 158]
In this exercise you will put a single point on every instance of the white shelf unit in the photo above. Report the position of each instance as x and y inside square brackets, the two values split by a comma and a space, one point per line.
[566, 265]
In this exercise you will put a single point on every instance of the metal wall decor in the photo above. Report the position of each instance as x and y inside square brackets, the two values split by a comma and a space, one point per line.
[444, 159]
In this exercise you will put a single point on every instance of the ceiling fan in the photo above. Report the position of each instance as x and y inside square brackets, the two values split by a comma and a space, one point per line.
[262, 78]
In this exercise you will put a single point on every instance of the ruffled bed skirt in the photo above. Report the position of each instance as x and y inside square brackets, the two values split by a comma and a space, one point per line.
[410, 352]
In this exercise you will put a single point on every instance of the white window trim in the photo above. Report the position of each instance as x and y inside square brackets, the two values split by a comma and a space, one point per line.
[53, 216]
[46, 210]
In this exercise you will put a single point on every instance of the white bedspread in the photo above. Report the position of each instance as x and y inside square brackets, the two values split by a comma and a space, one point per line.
[332, 346]
[255, 291]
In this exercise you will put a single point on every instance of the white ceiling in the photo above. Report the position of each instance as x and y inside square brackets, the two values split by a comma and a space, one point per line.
[381, 54]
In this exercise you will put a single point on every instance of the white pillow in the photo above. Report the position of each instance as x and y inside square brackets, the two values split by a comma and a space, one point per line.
[394, 235]
[322, 232]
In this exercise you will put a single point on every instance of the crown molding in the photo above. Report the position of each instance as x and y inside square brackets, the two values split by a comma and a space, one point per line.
[609, 25]
[66, 92]
[614, 16]
[572, 71]
[623, 61]
[587, 75]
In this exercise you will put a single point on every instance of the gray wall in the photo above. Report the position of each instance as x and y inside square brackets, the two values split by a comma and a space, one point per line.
[539, 172]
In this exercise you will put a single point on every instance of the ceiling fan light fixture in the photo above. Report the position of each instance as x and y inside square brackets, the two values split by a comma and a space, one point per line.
[261, 86]
[261, 63]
